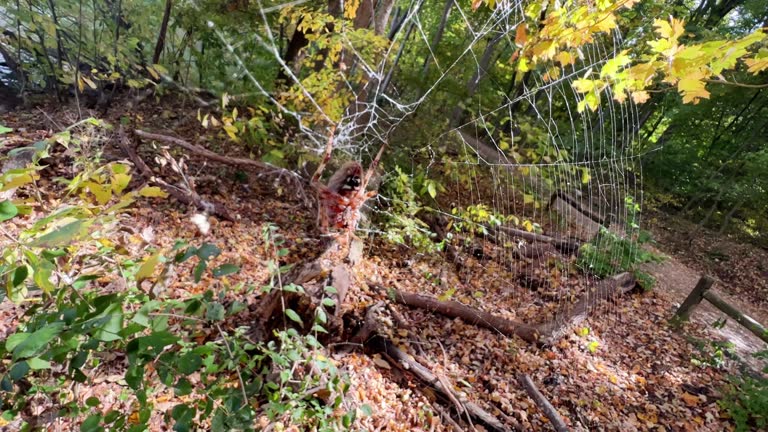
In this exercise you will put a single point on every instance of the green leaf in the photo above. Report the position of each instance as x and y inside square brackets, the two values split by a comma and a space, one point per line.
[328, 302]
[293, 316]
[18, 371]
[14, 340]
[36, 363]
[214, 311]
[431, 189]
[19, 275]
[156, 341]
[42, 275]
[110, 330]
[4, 130]
[92, 401]
[366, 410]
[7, 210]
[189, 363]
[225, 269]
[91, 424]
[183, 387]
[183, 415]
[199, 269]
[61, 236]
[207, 251]
[37, 341]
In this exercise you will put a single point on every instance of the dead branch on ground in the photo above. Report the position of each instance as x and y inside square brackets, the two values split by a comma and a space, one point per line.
[543, 403]
[188, 197]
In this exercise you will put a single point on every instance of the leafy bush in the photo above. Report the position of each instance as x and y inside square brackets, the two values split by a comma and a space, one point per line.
[746, 400]
[89, 304]
[609, 253]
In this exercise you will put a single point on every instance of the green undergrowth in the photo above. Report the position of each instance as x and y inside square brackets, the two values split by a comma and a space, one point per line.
[90, 307]
[609, 253]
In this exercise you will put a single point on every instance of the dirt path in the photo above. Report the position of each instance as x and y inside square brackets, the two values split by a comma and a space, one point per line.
[676, 280]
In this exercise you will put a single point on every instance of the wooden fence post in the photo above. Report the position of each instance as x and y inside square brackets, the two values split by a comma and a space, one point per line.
[694, 298]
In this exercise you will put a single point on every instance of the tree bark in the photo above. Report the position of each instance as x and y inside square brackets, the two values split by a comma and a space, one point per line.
[727, 218]
[382, 16]
[474, 82]
[438, 35]
[160, 45]
[295, 45]
[471, 315]
[59, 45]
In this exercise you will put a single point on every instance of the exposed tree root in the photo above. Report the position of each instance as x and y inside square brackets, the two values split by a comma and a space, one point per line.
[329, 269]
[188, 197]
[543, 403]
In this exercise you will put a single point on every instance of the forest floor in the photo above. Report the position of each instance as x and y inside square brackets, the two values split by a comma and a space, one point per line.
[741, 279]
[623, 369]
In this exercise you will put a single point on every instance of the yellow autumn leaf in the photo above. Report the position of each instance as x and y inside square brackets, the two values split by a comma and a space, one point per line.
[11, 181]
[152, 192]
[584, 85]
[692, 89]
[612, 66]
[120, 182]
[103, 193]
[148, 267]
[565, 58]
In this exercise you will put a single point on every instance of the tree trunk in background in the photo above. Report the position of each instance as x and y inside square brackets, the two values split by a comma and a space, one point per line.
[727, 218]
[382, 16]
[719, 132]
[712, 209]
[298, 41]
[438, 35]
[59, 45]
[474, 82]
[713, 11]
[163, 30]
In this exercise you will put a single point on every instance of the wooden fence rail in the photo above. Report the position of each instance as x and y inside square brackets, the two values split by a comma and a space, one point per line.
[701, 291]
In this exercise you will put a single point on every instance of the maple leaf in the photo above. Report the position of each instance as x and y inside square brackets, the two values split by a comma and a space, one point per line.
[692, 88]
[613, 65]
[639, 97]
[565, 58]
[759, 63]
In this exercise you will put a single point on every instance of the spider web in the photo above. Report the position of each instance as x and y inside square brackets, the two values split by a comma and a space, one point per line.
[590, 158]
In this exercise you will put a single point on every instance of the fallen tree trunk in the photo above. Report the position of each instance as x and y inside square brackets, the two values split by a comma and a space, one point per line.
[540, 334]
[573, 202]
[565, 245]
[188, 197]
[471, 315]
[606, 289]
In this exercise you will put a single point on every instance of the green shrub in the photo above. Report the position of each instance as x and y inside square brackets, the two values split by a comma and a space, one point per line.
[746, 400]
